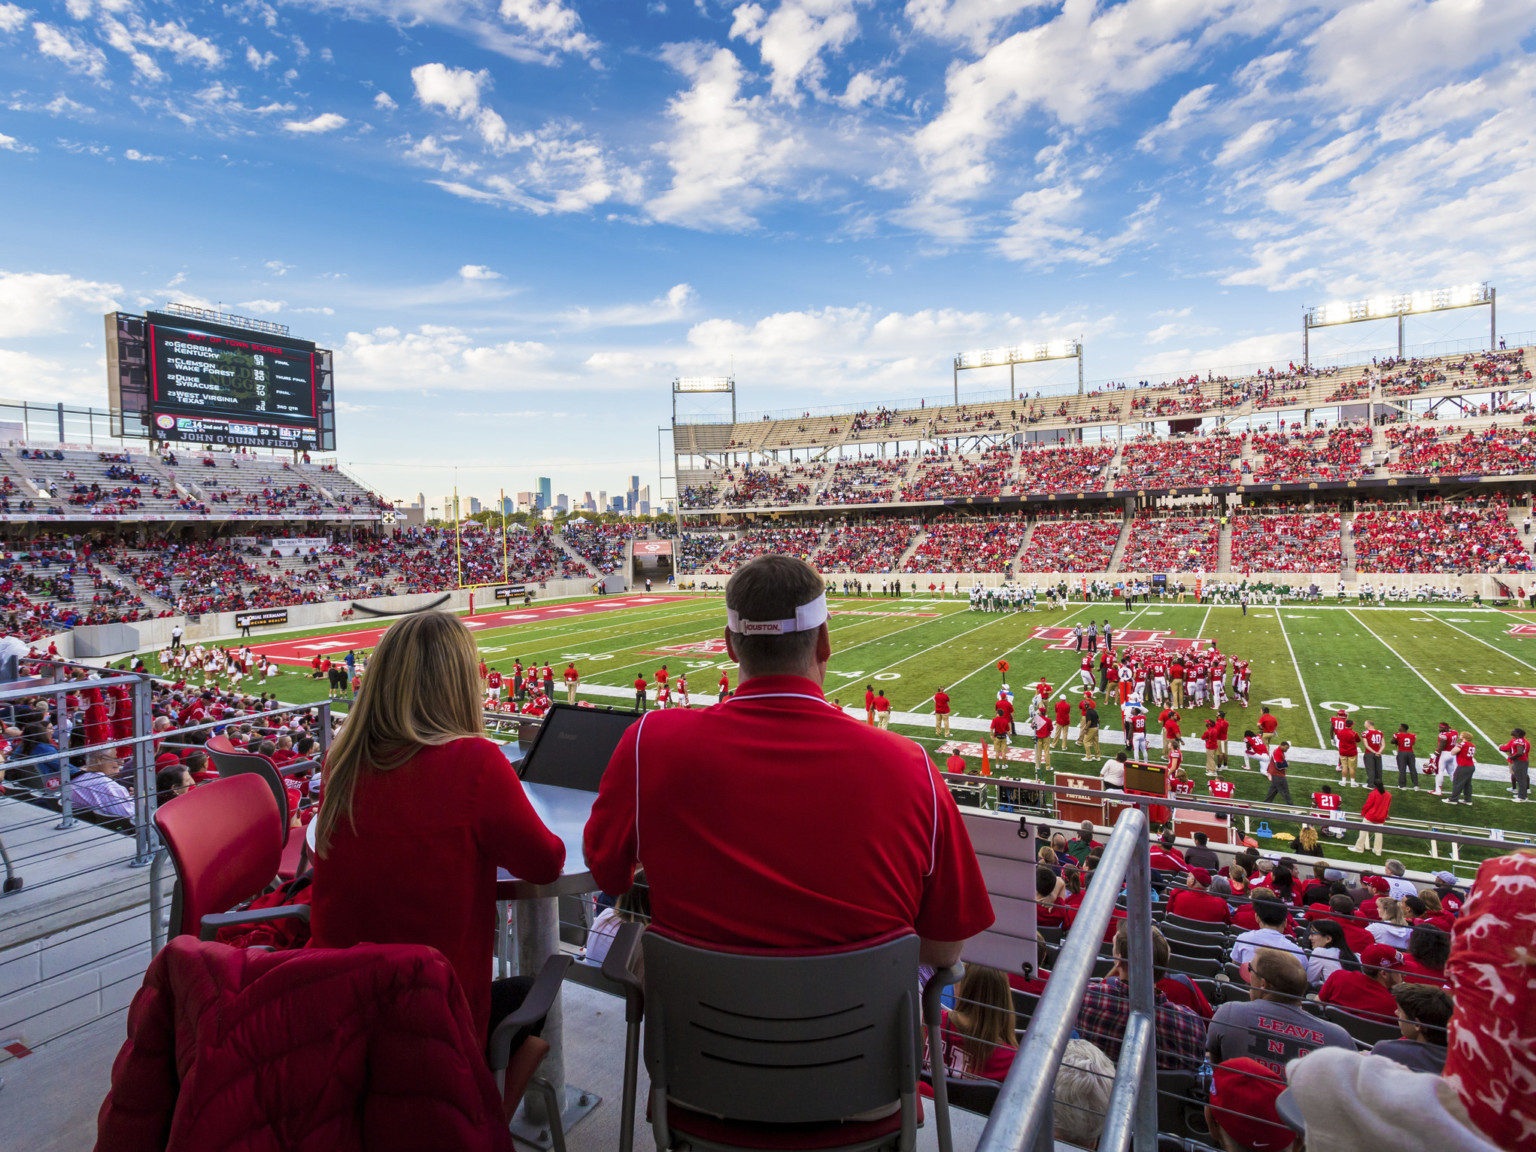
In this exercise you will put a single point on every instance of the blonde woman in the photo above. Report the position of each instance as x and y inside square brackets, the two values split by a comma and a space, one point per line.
[980, 1034]
[419, 811]
[1392, 928]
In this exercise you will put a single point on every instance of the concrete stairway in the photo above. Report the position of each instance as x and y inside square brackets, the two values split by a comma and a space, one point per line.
[1029, 534]
[1118, 554]
[1224, 549]
[911, 548]
[1347, 571]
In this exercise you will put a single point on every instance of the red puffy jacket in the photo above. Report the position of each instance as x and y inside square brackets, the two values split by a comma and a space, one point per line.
[313, 1050]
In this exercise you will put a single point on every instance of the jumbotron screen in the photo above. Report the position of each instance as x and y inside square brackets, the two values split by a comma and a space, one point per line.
[210, 383]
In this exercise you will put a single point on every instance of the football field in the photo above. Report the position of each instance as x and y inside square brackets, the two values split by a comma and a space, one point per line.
[1472, 667]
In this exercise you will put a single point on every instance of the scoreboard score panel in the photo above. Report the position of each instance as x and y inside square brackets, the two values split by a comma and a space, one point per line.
[186, 379]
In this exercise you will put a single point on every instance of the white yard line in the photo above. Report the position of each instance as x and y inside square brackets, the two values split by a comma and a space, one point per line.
[1001, 655]
[1305, 697]
[1492, 743]
[1485, 643]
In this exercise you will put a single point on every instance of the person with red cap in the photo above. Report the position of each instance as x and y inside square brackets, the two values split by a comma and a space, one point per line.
[1197, 902]
[1367, 992]
[1241, 1114]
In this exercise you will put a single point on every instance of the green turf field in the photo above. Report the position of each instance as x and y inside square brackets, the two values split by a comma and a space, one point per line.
[1389, 665]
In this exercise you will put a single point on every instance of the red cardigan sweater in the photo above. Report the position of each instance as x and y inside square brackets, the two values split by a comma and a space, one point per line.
[420, 868]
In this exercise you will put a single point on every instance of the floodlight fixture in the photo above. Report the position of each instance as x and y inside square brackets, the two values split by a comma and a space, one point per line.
[1020, 354]
[1399, 305]
[703, 384]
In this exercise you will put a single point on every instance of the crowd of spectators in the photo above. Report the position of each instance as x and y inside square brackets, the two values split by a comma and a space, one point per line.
[1424, 450]
[864, 481]
[1071, 469]
[695, 496]
[942, 474]
[969, 545]
[865, 546]
[601, 544]
[744, 545]
[1079, 545]
[1451, 538]
[748, 485]
[1313, 454]
[1179, 462]
[1172, 544]
[697, 551]
[1287, 542]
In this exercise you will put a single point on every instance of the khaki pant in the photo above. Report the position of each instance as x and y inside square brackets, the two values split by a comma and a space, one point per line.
[1348, 763]
[1090, 741]
[1000, 749]
[941, 723]
[1059, 737]
[1364, 843]
[1178, 693]
[883, 719]
[1042, 753]
[1210, 761]
[570, 692]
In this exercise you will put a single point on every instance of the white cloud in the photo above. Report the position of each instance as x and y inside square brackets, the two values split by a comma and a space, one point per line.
[1377, 50]
[549, 24]
[28, 376]
[437, 358]
[1273, 349]
[260, 61]
[458, 92]
[867, 88]
[974, 21]
[385, 101]
[259, 306]
[1253, 138]
[67, 48]
[132, 34]
[725, 149]
[1184, 109]
[478, 272]
[145, 157]
[45, 303]
[278, 268]
[325, 122]
[11, 144]
[794, 37]
[675, 305]
[12, 17]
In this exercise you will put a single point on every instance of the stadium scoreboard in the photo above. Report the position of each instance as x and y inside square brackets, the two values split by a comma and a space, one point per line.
[181, 377]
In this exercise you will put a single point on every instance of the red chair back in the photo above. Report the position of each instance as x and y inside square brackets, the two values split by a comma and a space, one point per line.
[230, 761]
[224, 840]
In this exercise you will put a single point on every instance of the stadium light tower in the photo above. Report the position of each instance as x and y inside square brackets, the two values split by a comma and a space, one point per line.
[1020, 354]
[1400, 305]
[694, 385]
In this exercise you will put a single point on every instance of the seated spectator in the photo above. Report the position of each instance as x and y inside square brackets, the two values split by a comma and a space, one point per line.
[1071, 545]
[1049, 889]
[1423, 1011]
[1428, 950]
[1367, 992]
[1390, 926]
[980, 1033]
[1272, 917]
[171, 782]
[633, 906]
[1201, 855]
[390, 869]
[1286, 542]
[1106, 1007]
[1165, 543]
[1432, 913]
[1330, 952]
[1271, 1026]
[1081, 1095]
[975, 544]
[1165, 855]
[1083, 843]
[1195, 902]
[96, 791]
[754, 857]
[1241, 1113]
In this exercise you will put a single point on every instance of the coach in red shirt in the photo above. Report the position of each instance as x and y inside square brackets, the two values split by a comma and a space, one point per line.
[775, 821]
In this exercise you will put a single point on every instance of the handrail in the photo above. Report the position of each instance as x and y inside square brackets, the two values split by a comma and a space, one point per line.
[1020, 1119]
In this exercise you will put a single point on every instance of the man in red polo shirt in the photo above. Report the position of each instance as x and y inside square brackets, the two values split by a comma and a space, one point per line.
[755, 855]
[1063, 723]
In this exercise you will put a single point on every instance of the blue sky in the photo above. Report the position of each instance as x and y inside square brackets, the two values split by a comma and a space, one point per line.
[517, 220]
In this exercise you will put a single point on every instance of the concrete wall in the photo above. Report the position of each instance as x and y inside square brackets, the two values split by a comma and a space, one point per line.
[117, 639]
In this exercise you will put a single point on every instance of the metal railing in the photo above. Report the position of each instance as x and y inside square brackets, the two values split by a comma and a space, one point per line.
[1021, 1118]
